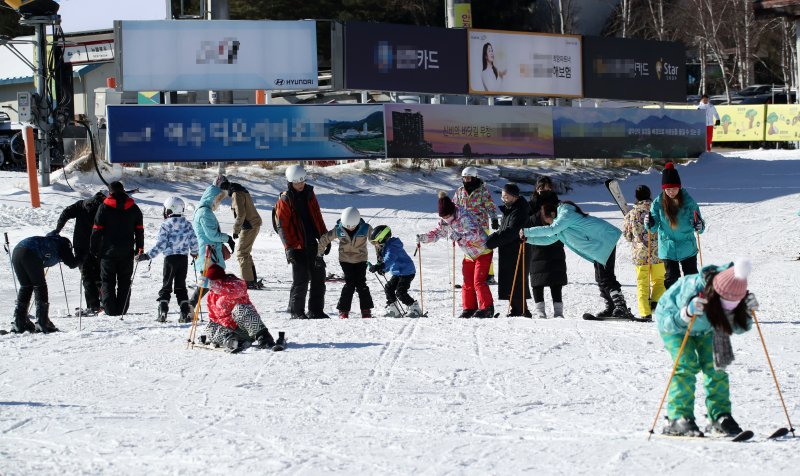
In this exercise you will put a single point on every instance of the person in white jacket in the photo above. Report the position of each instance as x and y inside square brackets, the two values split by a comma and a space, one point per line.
[712, 119]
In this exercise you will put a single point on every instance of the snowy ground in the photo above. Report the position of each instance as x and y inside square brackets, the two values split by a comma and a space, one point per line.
[430, 396]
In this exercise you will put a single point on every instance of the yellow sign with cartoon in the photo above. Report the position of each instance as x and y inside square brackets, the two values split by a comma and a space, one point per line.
[783, 122]
[740, 123]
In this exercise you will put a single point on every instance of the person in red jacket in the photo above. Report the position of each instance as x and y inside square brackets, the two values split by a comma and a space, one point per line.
[298, 221]
[232, 318]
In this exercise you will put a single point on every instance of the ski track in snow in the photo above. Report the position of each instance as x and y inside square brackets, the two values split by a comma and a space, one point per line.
[433, 395]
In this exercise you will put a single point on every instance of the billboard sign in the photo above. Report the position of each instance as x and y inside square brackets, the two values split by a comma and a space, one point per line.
[628, 132]
[782, 122]
[165, 55]
[408, 58]
[637, 70]
[184, 133]
[527, 64]
[426, 130]
[743, 122]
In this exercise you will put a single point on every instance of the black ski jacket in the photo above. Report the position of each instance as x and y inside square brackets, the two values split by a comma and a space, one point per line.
[118, 228]
[83, 212]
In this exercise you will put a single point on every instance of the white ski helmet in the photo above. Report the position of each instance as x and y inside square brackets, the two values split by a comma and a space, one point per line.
[469, 172]
[295, 174]
[173, 206]
[351, 217]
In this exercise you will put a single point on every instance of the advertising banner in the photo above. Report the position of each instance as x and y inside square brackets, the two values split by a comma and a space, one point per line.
[740, 123]
[524, 64]
[385, 57]
[637, 70]
[426, 130]
[216, 54]
[183, 133]
[628, 132]
[782, 122]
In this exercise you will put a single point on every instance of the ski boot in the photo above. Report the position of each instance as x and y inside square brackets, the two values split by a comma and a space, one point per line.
[609, 309]
[620, 307]
[22, 321]
[539, 310]
[682, 427]
[318, 315]
[255, 285]
[724, 425]
[43, 323]
[281, 343]
[467, 313]
[558, 309]
[302, 315]
[186, 313]
[414, 310]
[232, 344]
[344, 314]
[485, 313]
[392, 310]
[163, 309]
[264, 339]
[366, 313]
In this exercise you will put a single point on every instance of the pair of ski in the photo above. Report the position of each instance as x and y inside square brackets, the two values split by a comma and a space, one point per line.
[242, 347]
[745, 435]
[630, 317]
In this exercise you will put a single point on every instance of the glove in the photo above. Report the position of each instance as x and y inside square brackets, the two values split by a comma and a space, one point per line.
[235, 236]
[293, 256]
[53, 233]
[319, 262]
[221, 179]
[376, 268]
[419, 239]
[495, 224]
[231, 244]
[142, 257]
[698, 225]
[695, 307]
[751, 302]
[194, 256]
[716, 123]
[648, 219]
[328, 249]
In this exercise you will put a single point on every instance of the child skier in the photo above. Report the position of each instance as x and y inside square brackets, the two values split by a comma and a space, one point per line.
[473, 197]
[463, 228]
[718, 300]
[393, 259]
[176, 240]
[232, 318]
[649, 269]
[353, 234]
[29, 259]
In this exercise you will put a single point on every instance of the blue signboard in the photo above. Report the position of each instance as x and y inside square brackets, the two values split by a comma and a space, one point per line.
[215, 133]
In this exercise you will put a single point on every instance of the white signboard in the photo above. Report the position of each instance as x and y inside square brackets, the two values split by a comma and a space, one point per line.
[529, 64]
[216, 54]
[90, 52]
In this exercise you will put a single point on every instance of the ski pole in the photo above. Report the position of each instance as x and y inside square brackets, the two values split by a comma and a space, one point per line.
[383, 285]
[61, 268]
[45, 277]
[514, 281]
[674, 369]
[454, 279]
[524, 282]
[697, 233]
[649, 270]
[80, 304]
[127, 301]
[199, 304]
[772, 369]
[7, 246]
[419, 258]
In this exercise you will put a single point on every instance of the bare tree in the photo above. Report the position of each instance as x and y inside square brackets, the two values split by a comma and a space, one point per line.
[709, 21]
[657, 15]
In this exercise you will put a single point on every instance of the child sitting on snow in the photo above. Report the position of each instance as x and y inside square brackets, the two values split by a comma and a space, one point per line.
[176, 240]
[718, 301]
[232, 317]
[353, 234]
[392, 258]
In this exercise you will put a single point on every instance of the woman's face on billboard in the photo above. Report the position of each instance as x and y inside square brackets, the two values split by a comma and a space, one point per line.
[490, 54]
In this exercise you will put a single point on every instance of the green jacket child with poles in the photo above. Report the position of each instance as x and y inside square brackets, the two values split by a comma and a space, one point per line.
[705, 309]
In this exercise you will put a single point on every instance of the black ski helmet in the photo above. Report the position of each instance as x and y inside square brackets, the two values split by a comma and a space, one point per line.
[380, 234]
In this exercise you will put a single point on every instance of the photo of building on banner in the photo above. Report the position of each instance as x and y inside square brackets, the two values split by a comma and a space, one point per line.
[241, 133]
[637, 133]
[419, 130]
[532, 64]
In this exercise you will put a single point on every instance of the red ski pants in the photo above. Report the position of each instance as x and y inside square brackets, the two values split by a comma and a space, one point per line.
[475, 293]
[709, 137]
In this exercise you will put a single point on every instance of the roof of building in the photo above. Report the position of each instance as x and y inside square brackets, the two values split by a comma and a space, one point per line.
[15, 71]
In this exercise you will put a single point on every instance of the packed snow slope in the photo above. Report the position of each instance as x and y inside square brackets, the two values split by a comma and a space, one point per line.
[397, 396]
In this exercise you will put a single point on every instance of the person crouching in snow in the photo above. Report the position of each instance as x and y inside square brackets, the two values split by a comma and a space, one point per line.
[232, 318]
[393, 259]
[353, 235]
[718, 300]
[29, 259]
[590, 238]
[464, 229]
[176, 240]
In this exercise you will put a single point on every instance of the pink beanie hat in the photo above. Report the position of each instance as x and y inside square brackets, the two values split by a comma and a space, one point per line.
[731, 284]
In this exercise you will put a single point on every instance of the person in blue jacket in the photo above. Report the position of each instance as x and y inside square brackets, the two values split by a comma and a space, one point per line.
[393, 259]
[718, 301]
[676, 217]
[29, 259]
[210, 238]
[592, 239]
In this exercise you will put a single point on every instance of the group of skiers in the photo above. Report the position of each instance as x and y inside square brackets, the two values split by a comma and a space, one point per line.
[709, 304]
